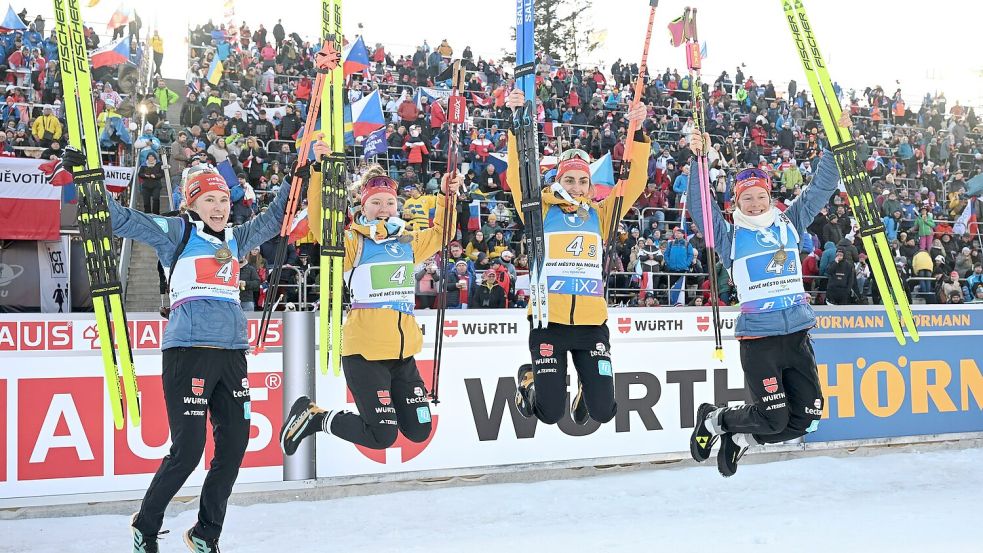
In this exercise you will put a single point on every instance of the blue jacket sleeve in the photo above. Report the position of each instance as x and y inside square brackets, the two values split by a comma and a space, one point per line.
[266, 225]
[816, 195]
[721, 229]
[161, 233]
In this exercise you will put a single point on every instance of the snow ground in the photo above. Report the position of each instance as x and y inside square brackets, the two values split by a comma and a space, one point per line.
[899, 502]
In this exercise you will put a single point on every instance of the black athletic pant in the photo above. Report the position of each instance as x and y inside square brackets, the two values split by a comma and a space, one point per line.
[591, 351]
[780, 372]
[390, 395]
[198, 380]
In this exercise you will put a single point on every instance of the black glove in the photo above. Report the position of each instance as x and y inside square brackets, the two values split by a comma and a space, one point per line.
[303, 170]
[72, 157]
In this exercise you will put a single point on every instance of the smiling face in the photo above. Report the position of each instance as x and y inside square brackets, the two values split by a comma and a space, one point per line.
[380, 206]
[754, 201]
[213, 208]
[576, 183]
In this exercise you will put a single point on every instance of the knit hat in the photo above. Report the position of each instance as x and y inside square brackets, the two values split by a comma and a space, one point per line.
[750, 178]
[572, 164]
[203, 182]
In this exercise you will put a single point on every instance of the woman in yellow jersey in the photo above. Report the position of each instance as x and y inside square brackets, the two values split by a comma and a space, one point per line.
[380, 335]
[575, 228]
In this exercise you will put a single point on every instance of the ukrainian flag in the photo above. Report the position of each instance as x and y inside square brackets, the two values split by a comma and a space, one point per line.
[215, 71]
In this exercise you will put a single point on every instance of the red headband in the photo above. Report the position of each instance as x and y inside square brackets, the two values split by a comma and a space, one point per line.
[378, 185]
[203, 182]
[572, 164]
[746, 184]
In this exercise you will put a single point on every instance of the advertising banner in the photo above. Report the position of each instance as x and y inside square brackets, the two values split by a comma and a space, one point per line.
[57, 437]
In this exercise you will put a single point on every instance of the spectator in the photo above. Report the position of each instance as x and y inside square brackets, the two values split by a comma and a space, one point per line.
[950, 290]
[151, 183]
[488, 294]
[457, 282]
[925, 225]
[47, 128]
[147, 143]
[250, 280]
[427, 282]
[417, 208]
[841, 277]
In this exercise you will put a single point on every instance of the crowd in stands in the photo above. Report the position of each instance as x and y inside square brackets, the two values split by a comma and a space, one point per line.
[920, 156]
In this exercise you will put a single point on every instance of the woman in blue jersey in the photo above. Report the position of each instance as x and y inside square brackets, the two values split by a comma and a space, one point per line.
[761, 251]
[204, 348]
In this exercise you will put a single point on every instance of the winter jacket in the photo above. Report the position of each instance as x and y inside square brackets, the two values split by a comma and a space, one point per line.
[199, 323]
[488, 297]
[801, 213]
[568, 309]
[165, 97]
[679, 256]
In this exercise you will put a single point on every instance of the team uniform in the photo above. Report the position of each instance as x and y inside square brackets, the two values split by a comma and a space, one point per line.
[574, 239]
[204, 358]
[379, 339]
[762, 253]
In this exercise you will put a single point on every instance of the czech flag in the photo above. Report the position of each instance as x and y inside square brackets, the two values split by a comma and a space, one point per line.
[114, 53]
[474, 216]
[501, 163]
[12, 22]
[602, 175]
[356, 57]
[367, 114]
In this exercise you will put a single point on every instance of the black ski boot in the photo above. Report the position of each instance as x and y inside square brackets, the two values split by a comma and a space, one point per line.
[525, 394]
[198, 544]
[702, 440]
[303, 420]
[143, 543]
[729, 455]
[579, 411]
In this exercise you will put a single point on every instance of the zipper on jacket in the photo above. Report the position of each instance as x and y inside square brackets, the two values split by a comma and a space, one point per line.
[573, 305]
[402, 338]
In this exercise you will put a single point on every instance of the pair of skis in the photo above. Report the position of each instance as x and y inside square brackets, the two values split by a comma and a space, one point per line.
[325, 60]
[525, 126]
[95, 225]
[456, 113]
[855, 177]
[687, 25]
[334, 198]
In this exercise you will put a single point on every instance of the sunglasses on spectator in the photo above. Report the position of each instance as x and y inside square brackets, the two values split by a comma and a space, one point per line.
[751, 173]
[575, 152]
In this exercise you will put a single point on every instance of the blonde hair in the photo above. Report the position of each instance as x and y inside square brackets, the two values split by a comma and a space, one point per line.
[372, 171]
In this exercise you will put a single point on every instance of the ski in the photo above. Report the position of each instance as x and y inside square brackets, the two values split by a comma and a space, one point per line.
[324, 60]
[334, 198]
[855, 177]
[525, 127]
[95, 225]
[694, 63]
[456, 112]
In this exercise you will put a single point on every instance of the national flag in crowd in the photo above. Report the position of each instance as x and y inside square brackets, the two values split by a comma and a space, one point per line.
[12, 22]
[602, 176]
[115, 53]
[474, 215]
[355, 57]
[703, 50]
[367, 115]
[967, 221]
[299, 227]
[193, 87]
[119, 18]
[215, 71]
[30, 208]
[481, 99]
[375, 144]
[500, 161]
[677, 296]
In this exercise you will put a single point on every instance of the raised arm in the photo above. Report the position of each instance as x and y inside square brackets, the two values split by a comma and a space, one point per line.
[694, 201]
